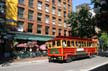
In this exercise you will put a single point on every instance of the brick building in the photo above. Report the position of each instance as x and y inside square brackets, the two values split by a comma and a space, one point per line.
[44, 17]
[36, 20]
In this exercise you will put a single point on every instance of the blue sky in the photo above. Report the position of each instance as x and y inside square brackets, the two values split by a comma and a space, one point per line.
[78, 2]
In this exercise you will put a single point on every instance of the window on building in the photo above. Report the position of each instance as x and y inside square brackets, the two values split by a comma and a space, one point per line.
[65, 32]
[30, 15]
[64, 14]
[53, 20]
[39, 5]
[65, 22]
[59, 2]
[21, 12]
[21, 1]
[2, 9]
[47, 8]
[59, 12]
[59, 22]
[47, 0]
[2, 0]
[54, 31]
[47, 19]
[69, 7]
[53, 2]
[2, 6]
[39, 27]
[39, 17]
[2, 20]
[30, 27]
[60, 32]
[53, 10]
[64, 6]
[46, 30]
[30, 3]
[68, 1]
[20, 26]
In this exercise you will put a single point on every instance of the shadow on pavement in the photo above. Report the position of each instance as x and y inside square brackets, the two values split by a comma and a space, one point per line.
[6, 61]
[101, 68]
[75, 59]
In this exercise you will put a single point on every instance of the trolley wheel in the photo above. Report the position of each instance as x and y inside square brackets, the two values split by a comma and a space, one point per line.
[68, 59]
[49, 60]
[91, 56]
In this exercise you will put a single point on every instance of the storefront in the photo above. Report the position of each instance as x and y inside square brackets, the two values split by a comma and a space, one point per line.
[29, 45]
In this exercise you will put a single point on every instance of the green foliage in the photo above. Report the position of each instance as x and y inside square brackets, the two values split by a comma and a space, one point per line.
[102, 16]
[81, 23]
[104, 37]
[96, 3]
[101, 19]
[72, 20]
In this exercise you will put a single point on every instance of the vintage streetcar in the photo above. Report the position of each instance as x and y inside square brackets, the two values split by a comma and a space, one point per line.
[66, 49]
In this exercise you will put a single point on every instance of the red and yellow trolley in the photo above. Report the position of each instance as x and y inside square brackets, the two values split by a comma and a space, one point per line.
[66, 48]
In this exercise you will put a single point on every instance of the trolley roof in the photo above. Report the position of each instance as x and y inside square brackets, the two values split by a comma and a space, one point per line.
[70, 38]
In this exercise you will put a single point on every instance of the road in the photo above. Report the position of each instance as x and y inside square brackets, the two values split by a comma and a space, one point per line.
[77, 65]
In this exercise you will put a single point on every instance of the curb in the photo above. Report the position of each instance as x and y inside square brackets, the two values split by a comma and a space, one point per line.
[24, 62]
[34, 61]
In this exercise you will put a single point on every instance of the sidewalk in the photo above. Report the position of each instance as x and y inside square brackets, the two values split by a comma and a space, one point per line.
[26, 60]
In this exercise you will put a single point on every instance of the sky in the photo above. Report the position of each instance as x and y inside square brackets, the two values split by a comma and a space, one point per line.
[78, 2]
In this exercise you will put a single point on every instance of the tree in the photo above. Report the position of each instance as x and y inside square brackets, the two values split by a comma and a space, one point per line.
[101, 18]
[104, 37]
[101, 9]
[81, 23]
[72, 21]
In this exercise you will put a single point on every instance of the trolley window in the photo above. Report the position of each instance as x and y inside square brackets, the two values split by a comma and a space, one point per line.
[58, 43]
[79, 45]
[64, 43]
[68, 43]
[76, 43]
[53, 43]
[82, 44]
[49, 45]
[72, 43]
[85, 44]
[90, 44]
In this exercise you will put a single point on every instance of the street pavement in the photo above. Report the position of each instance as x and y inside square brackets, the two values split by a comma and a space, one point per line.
[85, 64]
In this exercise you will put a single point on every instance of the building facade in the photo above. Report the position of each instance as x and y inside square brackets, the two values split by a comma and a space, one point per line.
[2, 13]
[37, 17]
[34, 20]
[44, 17]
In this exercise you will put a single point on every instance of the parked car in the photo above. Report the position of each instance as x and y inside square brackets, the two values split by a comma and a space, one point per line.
[105, 53]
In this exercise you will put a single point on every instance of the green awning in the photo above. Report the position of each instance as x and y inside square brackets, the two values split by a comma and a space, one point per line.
[32, 37]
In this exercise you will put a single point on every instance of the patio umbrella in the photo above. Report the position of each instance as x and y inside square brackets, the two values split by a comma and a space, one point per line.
[43, 47]
[36, 45]
[22, 45]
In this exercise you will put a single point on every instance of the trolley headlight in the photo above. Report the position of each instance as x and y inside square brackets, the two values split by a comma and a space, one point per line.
[60, 58]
